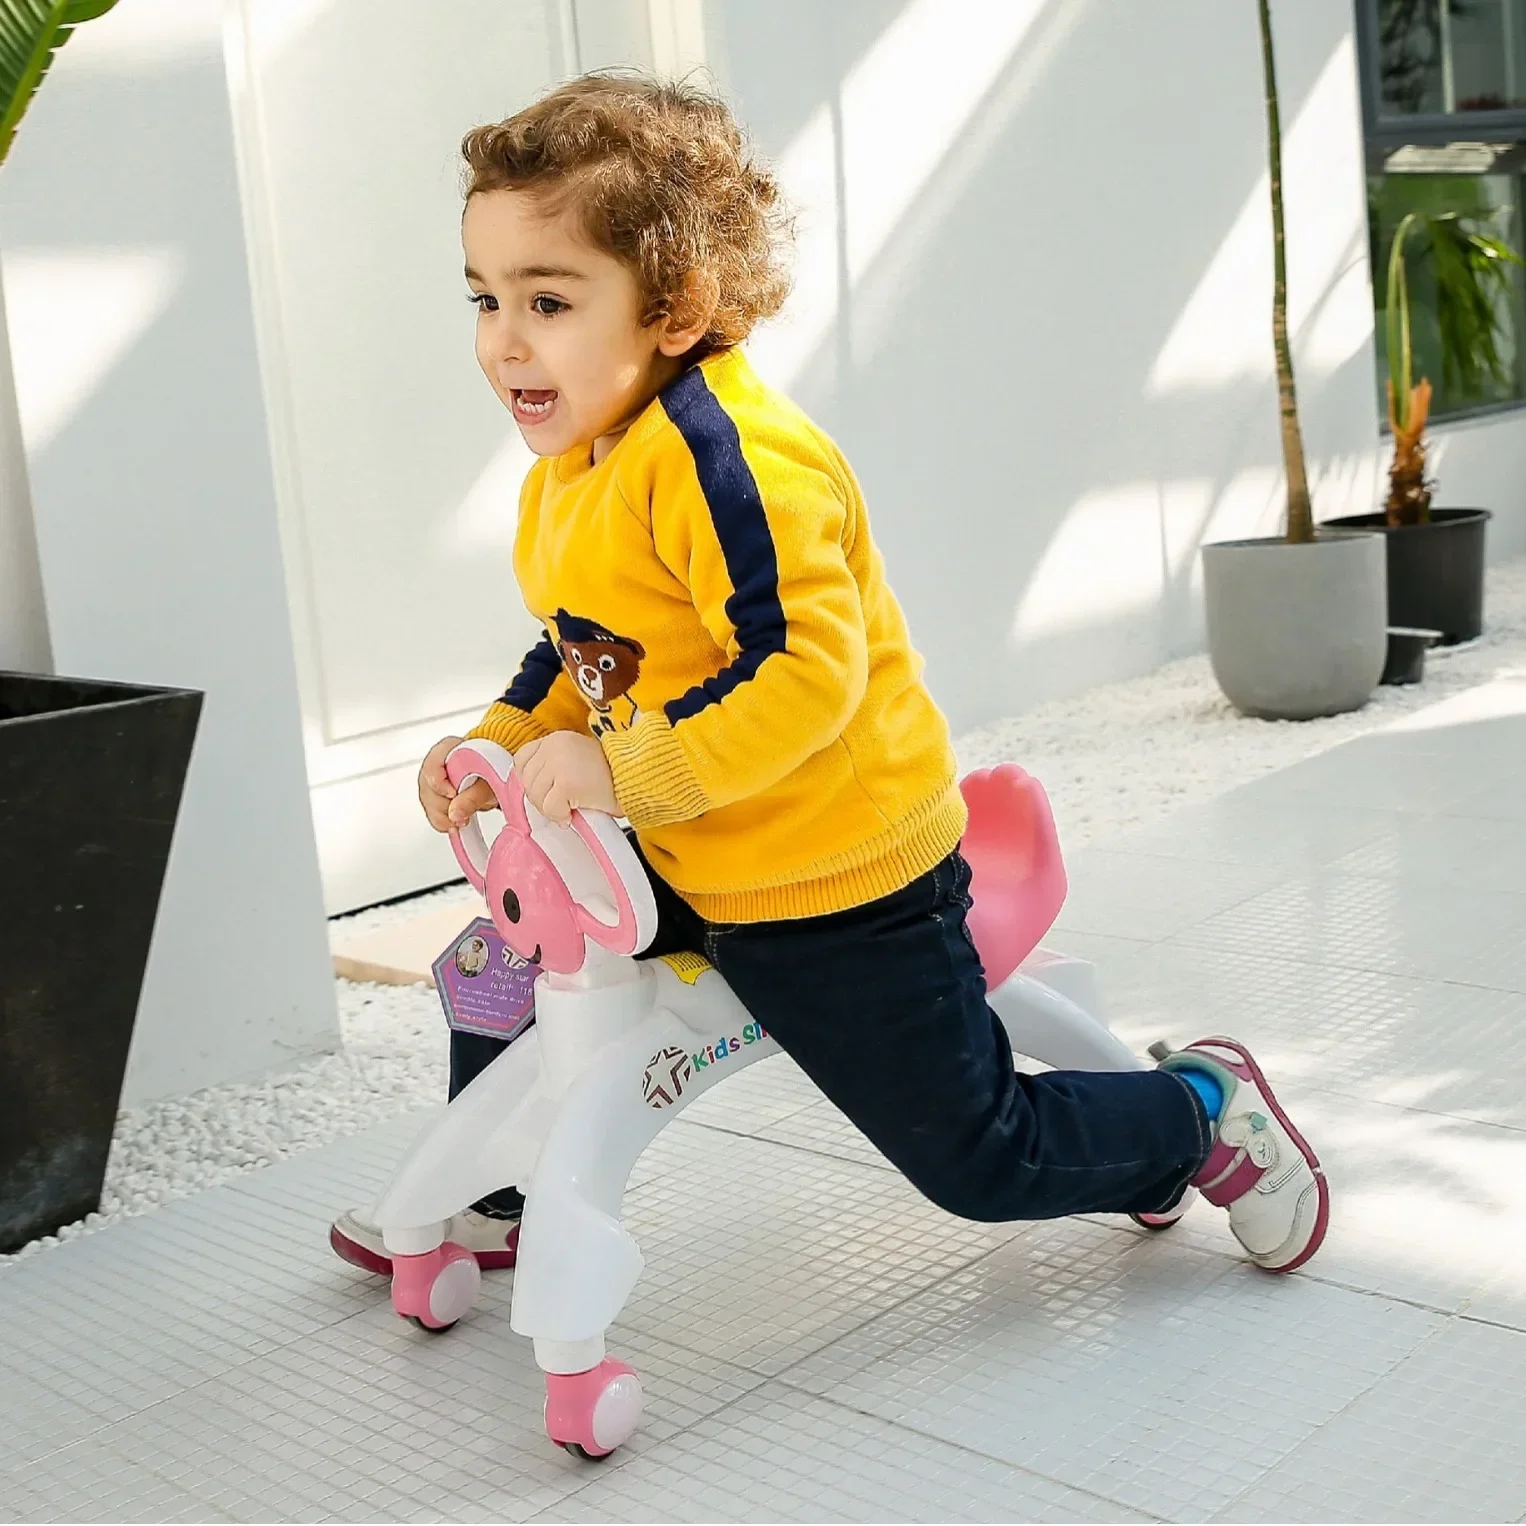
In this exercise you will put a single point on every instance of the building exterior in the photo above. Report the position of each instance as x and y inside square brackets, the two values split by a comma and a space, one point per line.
[1033, 304]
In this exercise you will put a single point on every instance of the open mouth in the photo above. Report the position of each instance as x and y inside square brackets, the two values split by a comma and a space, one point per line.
[535, 957]
[533, 405]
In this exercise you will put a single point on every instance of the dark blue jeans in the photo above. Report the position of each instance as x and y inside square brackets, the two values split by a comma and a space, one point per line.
[884, 1008]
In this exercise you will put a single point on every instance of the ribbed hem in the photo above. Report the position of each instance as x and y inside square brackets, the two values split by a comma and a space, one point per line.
[509, 727]
[885, 864]
[654, 782]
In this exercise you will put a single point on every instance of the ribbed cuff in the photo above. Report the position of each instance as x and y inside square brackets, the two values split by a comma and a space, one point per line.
[509, 727]
[654, 783]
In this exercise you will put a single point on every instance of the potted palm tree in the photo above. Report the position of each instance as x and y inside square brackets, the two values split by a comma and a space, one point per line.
[90, 782]
[1436, 556]
[1297, 624]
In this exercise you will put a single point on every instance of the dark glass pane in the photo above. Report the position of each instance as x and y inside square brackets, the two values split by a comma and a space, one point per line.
[1451, 56]
[1493, 202]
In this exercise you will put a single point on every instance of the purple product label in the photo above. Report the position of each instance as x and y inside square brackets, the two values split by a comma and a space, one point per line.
[484, 986]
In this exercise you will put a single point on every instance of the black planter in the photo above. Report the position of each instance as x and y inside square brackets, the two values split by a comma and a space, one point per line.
[1435, 571]
[90, 782]
[1406, 654]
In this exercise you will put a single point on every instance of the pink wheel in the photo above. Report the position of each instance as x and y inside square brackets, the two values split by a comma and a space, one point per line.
[591, 1413]
[434, 1290]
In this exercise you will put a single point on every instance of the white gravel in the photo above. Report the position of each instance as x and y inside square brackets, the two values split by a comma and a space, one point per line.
[1117, 757]
[1129, 753]
[459, 894]
[392, 1059]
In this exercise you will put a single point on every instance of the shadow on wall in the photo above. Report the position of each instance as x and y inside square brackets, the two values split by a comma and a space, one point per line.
[128, 289]
[1034, 304]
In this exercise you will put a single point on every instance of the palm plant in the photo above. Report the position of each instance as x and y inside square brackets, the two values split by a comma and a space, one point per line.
[1471, 269]
[1300, 510]
[31, 33]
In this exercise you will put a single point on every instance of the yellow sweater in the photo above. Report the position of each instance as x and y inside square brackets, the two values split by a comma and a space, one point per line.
[717, 613]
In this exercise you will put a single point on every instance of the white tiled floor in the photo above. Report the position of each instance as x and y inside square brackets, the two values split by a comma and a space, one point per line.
[819, 1344]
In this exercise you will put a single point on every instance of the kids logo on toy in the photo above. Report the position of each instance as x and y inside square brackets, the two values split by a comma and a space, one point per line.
[666, 1075]
[670, 1070]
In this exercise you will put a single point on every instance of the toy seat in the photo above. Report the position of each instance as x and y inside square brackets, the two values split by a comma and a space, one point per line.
[1018, 879]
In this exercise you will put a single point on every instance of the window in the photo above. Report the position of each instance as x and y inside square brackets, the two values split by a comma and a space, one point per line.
[1446, 57]
[1444, 107]
[1491, 202]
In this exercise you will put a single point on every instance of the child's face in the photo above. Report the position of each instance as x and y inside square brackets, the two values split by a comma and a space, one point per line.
[559, 334]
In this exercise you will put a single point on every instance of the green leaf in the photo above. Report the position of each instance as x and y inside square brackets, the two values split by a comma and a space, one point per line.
[1400, 363]
[31, 33]
[1473, 274]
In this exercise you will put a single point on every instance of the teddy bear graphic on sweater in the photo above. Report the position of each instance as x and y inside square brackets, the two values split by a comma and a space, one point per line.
[604, 667]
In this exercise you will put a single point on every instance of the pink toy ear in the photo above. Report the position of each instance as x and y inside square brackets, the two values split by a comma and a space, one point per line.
[489, 761]
[635, 924]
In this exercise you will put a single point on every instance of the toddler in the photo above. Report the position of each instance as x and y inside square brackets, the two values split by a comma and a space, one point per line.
[724, 665]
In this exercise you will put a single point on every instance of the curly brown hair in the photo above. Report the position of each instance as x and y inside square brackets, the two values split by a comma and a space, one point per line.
[663, 179]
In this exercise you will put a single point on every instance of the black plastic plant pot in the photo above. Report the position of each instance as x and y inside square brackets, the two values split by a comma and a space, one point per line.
[1406, 654]
[91, 776]
[1435, 571]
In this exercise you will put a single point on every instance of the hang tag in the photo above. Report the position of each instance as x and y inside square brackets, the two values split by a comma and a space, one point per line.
[484, 986]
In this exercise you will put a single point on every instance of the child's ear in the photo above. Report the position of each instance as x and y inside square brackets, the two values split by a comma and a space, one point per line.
[689, 320]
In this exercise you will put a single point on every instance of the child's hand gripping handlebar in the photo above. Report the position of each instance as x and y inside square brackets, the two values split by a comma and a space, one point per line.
[540, 915]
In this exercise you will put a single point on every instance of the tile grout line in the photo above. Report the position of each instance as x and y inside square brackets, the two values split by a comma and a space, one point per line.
[1293, 1450]
[1310, 1273]
[969, 1451]
[1418, 1304]
[891, 1308]
[900, 1303]
[721, 1128]
[1423, 1112]
[204, 1501]
[789, 1144]
[203, 1382]
[1343, 966]
[1488, 1324]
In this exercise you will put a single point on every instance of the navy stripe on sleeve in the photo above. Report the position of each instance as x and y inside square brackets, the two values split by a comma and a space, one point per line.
[536, 676]
[741, 527]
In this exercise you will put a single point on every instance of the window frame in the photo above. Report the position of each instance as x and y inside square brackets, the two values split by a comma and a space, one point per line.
[1384, 135]
[1426, 129]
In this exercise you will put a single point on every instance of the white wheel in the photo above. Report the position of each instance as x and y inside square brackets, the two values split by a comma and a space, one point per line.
[617, 1412]
[454, 1291]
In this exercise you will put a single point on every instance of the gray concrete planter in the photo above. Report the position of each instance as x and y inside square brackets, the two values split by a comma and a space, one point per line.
[1296, 632]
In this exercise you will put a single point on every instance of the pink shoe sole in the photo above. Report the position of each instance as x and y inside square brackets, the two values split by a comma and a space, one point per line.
[381, 1266]
[1322, 1214]
[1156, 1222]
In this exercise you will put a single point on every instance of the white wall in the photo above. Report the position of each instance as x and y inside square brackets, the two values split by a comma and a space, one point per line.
[1034, 303]
[398, 470]
[131, 328]
[1481, 464]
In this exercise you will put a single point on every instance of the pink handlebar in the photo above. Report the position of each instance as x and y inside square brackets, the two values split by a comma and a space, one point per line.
[471, 761]
[531, 904]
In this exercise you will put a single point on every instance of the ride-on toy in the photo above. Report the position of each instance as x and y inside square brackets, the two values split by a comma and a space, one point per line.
[620, 1048]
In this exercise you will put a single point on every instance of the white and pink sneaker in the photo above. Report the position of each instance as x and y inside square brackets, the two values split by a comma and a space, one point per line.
[1261, 1170]
[494, 1242]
